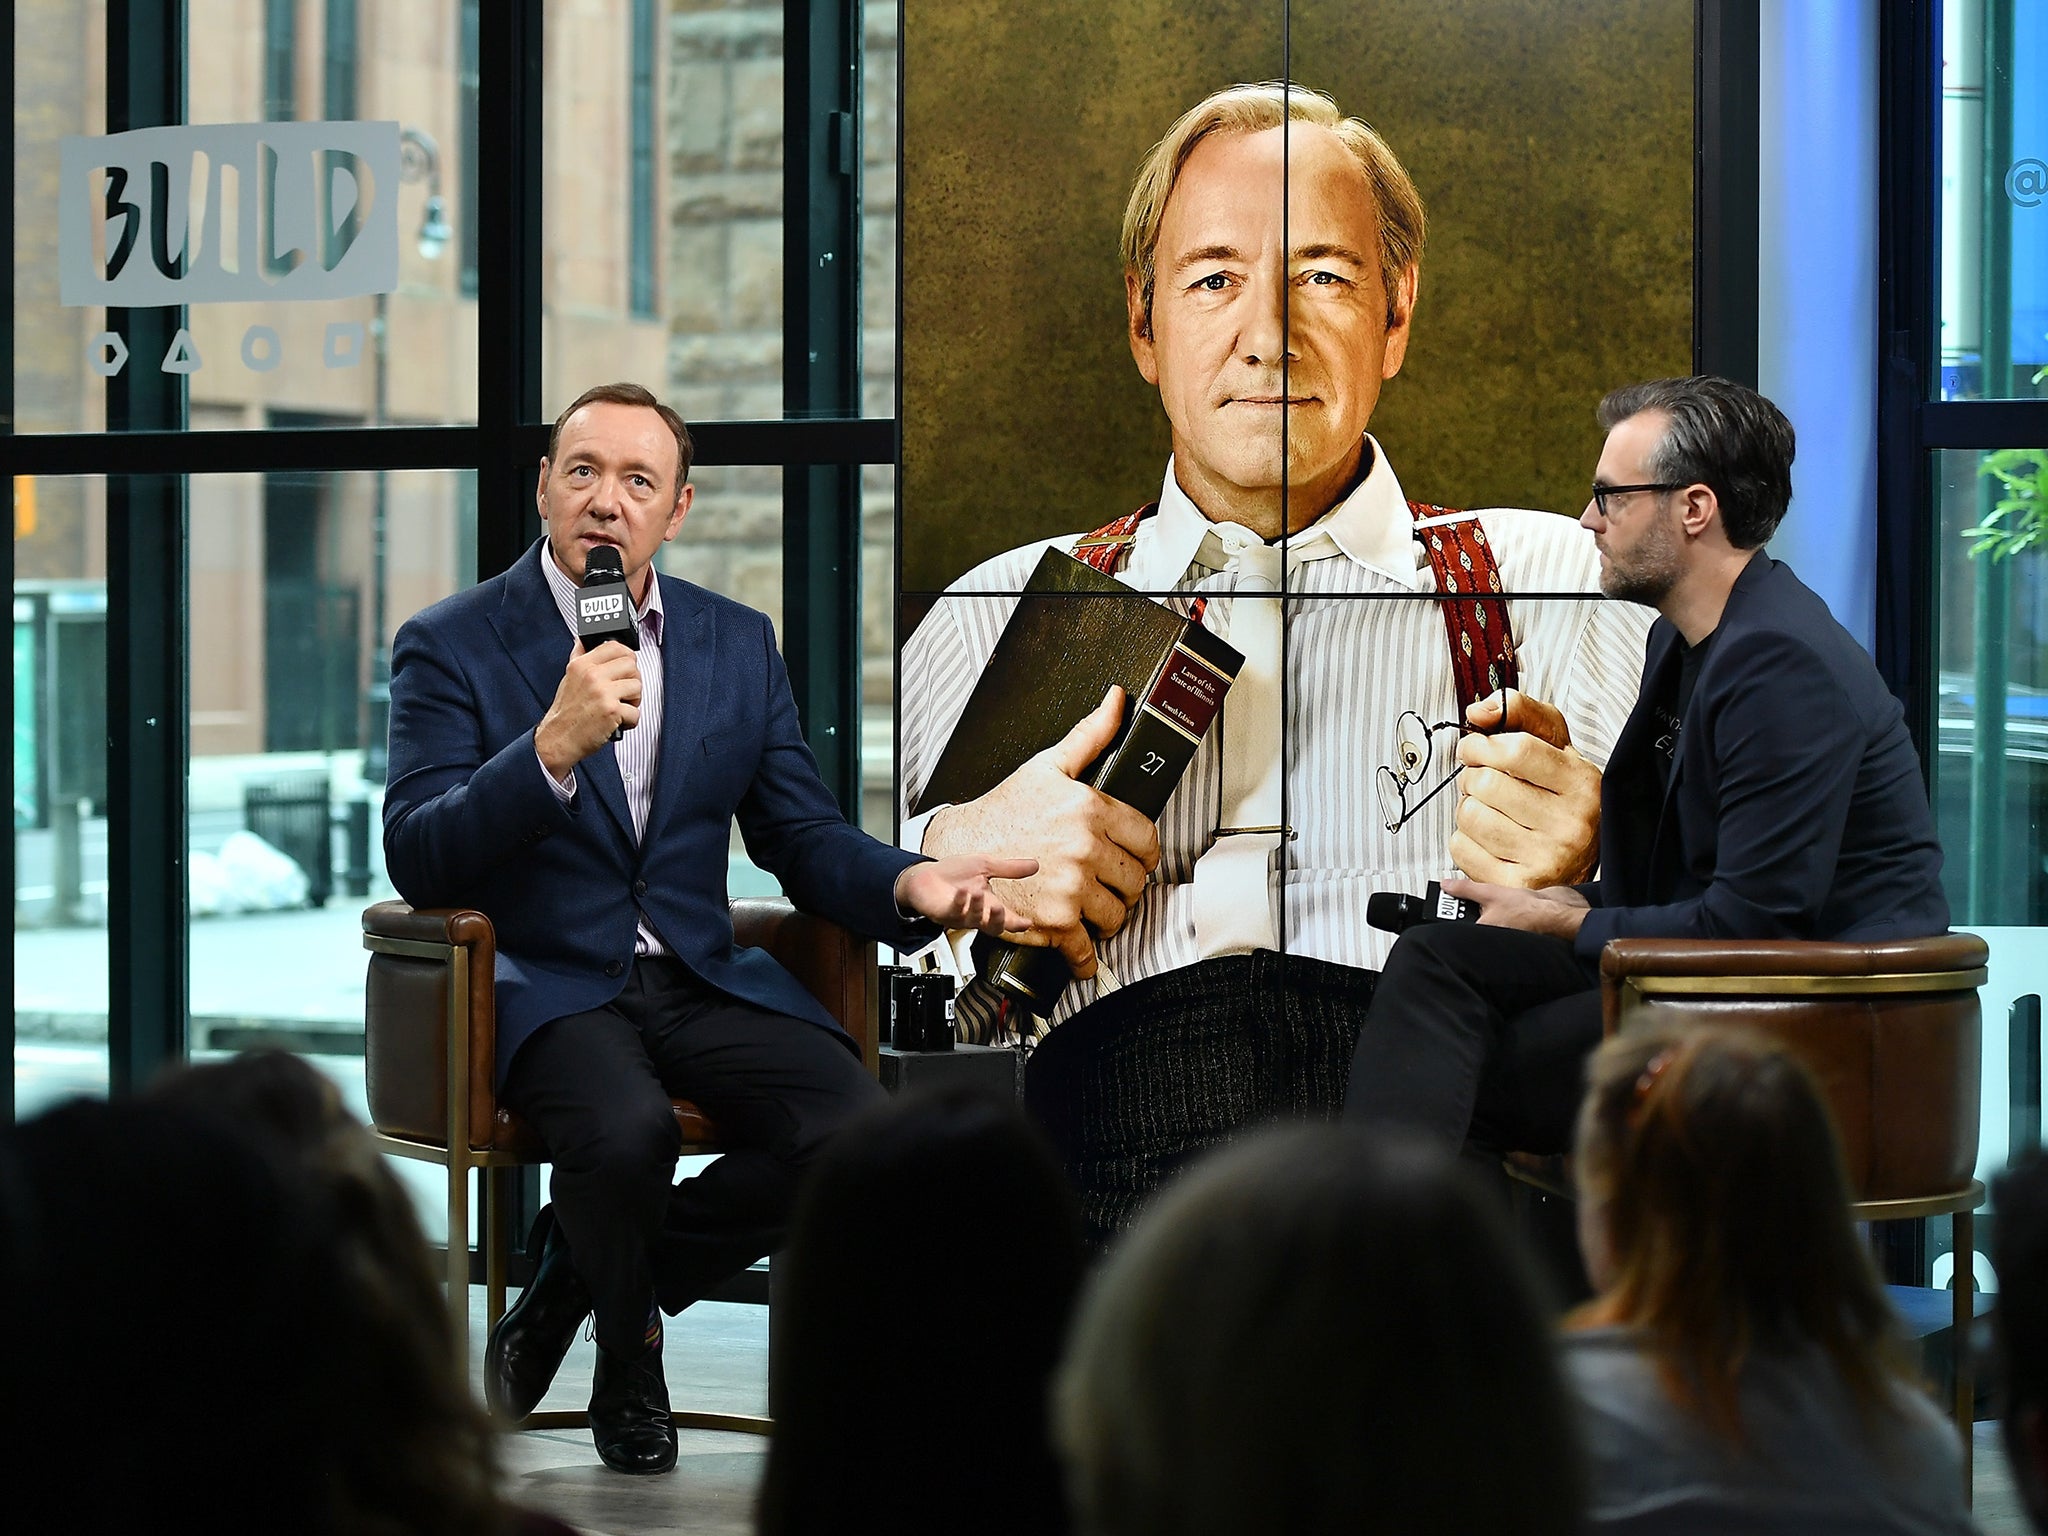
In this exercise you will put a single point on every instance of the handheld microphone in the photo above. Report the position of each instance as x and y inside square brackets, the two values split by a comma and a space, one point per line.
[1397, 911]
[604, 606]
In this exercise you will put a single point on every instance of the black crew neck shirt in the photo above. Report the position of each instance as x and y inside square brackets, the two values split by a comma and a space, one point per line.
[1672, 705]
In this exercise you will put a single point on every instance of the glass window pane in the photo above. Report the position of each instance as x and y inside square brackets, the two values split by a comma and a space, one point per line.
[292, 610]
[253, 216]
[663, 229]
[880, 114]
[1991, 774]
[1991, 769]
[878, 652]
[691, 210]
[1994, 200]
[60, 791]
[59, 90]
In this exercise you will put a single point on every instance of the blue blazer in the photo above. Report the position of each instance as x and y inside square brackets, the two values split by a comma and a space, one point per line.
[1796, 809]
[470, 819]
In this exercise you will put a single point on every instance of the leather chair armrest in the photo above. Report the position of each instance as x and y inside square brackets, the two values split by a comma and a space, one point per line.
[1830, 966]
[835, 966]
[1790, 957]
[428, 925]
[407, 1003]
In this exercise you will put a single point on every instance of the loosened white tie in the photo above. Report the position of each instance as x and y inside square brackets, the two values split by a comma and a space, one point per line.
[1236, 894]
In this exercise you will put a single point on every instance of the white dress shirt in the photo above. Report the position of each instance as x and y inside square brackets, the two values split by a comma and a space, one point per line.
[1364, 640]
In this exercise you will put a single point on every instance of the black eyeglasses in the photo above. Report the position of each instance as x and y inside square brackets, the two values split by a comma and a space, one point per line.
[1602, 492]
[1415, 742]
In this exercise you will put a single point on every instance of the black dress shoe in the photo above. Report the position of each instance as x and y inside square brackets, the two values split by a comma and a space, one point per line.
[629, 1417]
[527, 1346]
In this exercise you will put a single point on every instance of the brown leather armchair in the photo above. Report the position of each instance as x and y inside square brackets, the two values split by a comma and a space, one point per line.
[1894, 1033]
[430, 1042]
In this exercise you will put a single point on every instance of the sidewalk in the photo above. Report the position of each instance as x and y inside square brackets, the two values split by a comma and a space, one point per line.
[296, 976]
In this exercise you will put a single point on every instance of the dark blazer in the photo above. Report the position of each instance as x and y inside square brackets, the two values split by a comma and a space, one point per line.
[1796, 809]
[470, 819]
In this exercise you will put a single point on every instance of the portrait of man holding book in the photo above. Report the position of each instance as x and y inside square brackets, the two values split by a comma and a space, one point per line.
[1421, 690]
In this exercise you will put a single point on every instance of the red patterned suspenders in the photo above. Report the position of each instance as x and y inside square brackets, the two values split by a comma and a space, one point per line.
[1476, 628]
[1482, 648]
[1110, 545]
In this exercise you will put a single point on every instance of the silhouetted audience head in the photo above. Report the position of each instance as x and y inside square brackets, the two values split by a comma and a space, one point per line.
[1321, 1330]
[1714, 1218]
[2020, 1255]
[231, 1320]
[921, 1303]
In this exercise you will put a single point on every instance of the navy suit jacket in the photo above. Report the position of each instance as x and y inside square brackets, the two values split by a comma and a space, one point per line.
[1795, 809]
[470, 819]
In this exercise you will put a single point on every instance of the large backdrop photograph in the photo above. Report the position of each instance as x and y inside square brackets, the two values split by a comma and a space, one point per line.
[1380, 264]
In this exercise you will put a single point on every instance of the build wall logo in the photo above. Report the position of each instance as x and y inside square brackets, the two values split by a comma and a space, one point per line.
[224, 211]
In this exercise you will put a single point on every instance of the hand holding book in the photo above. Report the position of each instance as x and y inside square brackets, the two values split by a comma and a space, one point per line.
[1020, 779]
[1093, 853]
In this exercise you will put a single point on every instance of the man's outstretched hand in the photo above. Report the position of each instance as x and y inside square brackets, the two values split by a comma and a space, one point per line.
[955, 892]
[1090, 853]
[1528, 804]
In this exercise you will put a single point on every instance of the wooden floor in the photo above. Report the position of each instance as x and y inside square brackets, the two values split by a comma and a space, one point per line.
[716, 1356]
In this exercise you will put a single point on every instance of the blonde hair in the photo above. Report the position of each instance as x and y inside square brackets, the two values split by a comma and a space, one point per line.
[1253, 109]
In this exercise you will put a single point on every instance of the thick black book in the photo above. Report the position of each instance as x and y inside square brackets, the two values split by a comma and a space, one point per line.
[1074, 633]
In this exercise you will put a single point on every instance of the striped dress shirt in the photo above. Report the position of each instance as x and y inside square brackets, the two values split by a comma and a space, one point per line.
[1363, 640]
[639, 750]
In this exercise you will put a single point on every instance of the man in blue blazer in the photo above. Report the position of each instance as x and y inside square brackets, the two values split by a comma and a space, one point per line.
[584, 801]
[1765, 787]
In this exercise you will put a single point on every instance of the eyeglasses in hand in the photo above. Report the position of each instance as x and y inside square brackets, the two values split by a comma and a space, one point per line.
[1416, 742]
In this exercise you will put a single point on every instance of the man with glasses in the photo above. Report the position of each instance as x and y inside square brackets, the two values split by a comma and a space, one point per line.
[1765, 787]
[1271, 250]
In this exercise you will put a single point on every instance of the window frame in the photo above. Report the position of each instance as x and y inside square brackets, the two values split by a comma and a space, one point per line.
[145, 455]
[1913, 422]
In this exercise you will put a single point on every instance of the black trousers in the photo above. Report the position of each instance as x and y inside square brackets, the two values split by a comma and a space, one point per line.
[596, 1087]
[1138, 1083]
[1481, 1034]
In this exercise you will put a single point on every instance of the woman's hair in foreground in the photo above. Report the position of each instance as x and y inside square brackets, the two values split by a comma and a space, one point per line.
[921, 1304]
[1726, 1212]
[423, 1454]
[230, 1248]
[1320, 1330]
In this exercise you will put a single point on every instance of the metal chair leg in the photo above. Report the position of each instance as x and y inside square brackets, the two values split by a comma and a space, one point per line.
[458, 1249]
[497, 1240]
[1964, 1356]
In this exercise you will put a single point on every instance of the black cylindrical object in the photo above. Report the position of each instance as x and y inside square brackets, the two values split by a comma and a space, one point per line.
[924, 1014]
[889, 974]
